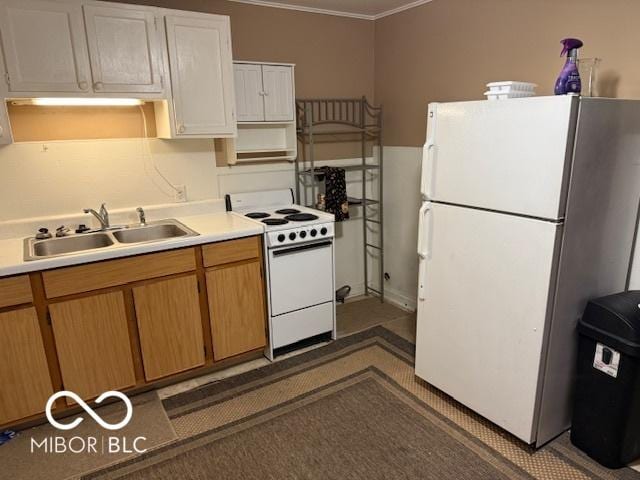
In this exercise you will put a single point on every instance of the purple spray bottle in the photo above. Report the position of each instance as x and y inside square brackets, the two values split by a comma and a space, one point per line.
[569, 79]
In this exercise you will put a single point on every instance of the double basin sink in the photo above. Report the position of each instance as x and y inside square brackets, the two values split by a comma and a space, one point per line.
[35, 249]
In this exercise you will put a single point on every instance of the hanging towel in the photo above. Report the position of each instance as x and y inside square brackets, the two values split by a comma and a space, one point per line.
[336, 193]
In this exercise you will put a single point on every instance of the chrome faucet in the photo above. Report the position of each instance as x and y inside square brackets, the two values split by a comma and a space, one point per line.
[141, 216]
[102, 216]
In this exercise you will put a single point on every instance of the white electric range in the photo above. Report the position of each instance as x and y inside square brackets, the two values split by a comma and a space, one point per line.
[299, 264]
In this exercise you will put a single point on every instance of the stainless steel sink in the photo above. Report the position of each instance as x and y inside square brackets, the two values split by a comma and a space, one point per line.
[71, 244]
[35, 249]
[152, 232]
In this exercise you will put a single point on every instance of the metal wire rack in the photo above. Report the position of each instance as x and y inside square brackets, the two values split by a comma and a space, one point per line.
[331, 120]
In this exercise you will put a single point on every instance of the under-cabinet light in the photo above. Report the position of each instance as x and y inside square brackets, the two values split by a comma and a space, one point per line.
[81, 102]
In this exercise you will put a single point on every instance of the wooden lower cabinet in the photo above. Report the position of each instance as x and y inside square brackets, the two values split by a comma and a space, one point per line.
[170, 326]
[24, 373]
[92, 341]
[237, 309]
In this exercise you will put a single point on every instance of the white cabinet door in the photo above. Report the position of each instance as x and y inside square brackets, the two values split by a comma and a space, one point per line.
[486, 292]
[124, 49]
[249, 92]
[201, 75]
[5, 129]
[278, 93]
[44, 45]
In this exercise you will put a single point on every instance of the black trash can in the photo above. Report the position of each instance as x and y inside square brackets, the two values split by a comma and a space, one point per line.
[606, 415]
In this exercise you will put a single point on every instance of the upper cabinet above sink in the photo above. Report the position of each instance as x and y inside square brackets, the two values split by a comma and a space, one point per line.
[124, 49]
[179, 60]
[45, 46]
[51, 47]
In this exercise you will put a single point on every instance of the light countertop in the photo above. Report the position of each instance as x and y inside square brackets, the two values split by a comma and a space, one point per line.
[212, 227]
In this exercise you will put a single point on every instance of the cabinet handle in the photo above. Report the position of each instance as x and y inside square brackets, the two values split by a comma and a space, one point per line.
[181, 128]
[83, 85]
[97, 85]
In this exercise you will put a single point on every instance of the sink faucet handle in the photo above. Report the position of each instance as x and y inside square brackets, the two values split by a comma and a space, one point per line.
[141, 216]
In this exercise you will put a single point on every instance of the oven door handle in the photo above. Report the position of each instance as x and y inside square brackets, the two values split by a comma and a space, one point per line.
[310, 246]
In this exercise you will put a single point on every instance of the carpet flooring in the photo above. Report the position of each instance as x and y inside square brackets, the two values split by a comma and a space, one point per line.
[350, 410]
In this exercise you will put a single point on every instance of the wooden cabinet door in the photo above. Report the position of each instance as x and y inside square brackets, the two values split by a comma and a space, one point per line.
[201, 75]
[44, 45]
[237, 308]
[278, 93]
[92, 340]
[249, 92]
[124, 49]
[170, 326]
[24, 374]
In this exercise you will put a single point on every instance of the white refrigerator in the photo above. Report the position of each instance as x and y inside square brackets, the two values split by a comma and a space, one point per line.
[529, 209]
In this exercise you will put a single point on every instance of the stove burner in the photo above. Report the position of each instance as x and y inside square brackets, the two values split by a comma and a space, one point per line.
[275, 221]
[301, 217]
[287, 211]
[257, 215]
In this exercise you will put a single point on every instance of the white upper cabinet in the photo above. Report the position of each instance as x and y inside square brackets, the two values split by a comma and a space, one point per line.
[124, 49]
[44, 45]
[5, 127]
[278, 93]
[264, 92]
[201, 71]
[249, 92]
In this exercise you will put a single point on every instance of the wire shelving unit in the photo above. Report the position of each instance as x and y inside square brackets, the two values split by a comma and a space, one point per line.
[335, 120]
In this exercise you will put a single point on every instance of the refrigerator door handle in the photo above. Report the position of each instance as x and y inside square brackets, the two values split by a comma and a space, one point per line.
[428, 162]
[423, 250]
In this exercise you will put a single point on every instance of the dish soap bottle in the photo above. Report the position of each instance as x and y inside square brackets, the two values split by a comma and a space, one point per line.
[569, 79]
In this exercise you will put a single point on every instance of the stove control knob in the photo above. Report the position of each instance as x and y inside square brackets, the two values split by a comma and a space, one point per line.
[281, 238]
[292, 236]
[303, 234]
[314, 232]
[323, 231]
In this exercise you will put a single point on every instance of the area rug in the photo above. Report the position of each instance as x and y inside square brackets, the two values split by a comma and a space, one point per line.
[350, 410]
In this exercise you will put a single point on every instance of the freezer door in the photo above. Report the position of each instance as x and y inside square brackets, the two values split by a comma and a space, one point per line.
[483, 310]
[510, 155]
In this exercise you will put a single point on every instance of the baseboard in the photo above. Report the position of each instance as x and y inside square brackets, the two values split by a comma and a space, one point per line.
[391, 296]
[400, 300]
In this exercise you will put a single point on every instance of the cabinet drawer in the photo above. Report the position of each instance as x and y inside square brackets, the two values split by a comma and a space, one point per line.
[15, 291]
[231, 251]
[111, 273]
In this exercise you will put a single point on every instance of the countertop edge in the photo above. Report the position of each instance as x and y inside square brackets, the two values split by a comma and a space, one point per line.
[25, 267]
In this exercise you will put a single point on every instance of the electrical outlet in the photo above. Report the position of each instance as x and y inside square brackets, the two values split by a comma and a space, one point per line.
[180, 194]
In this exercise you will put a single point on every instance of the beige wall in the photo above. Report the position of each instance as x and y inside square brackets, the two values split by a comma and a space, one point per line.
[449, 49]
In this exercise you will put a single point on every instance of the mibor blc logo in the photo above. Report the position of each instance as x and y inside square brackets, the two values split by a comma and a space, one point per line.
[89, 410]
[91, 444]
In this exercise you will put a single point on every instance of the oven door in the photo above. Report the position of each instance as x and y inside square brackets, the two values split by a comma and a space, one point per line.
[300, 276]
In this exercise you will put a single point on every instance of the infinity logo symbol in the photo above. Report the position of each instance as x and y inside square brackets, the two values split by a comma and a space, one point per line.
[89, 410]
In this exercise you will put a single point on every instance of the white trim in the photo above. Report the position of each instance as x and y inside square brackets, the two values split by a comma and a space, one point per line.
[400, 300]
[265, 3]
[250, 62]
[402, 8]
[360, 16]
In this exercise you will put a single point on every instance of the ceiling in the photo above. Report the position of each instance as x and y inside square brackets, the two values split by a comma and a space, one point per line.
[366, 9]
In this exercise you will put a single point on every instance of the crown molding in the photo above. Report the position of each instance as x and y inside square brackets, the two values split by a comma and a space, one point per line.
[322, 11]
[402, 8]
